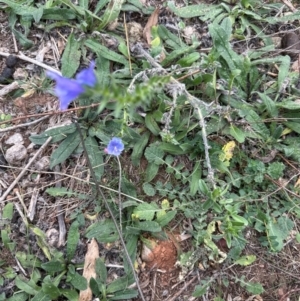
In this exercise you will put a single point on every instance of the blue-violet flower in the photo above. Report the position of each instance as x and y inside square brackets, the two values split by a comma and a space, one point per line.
[115, 147]
[68, 89]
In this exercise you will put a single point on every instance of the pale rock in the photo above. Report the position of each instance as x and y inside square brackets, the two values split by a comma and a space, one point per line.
[20, 74]
[15, 139]
[43, 163]
[15, 154]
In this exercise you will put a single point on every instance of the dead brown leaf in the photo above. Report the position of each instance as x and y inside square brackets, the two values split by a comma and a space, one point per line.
[89, 269]
[152, 21]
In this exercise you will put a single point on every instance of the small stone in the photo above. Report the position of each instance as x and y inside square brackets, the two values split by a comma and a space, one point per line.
[52, 237]
[11, 61]
[15, 154]
[43, 163]
[7, 72]
[15, 139]
[20, 74]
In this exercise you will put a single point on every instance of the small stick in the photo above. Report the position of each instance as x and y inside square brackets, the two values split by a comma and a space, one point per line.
[21, 200]
[11, 128]
[13, 184]
[289, 5]
[15, 42]
[60, 215]
[8, 88]
[32, 205]
[23, 57]
[50, 113]
[186, 285]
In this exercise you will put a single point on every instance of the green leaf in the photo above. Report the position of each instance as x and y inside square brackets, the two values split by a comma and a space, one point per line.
[294, 126]
[283, 73]
[257, 124]
[151, 171]
[103, 231]
[105, 52]
[95, 156]
[111, 13]
[65, 149]
[189, 59]
[58, 13]
[102, 71]
[71, 57]
[131, 246]
[138, 148]
[269, 103]
[101, 270]
[29, 287]
[251, 287]
[152, 125]
[166, 218]
[280, 230]
[204, 188]
[8, 210]
[196, 176]
[40, 296]
[149, 189]
[145, 211]
[72, 241]
[239, 219]
[191, 10]
[125, 295]
[120, 284]
[70, 294]
[59, 191]
[53, 266]
[22, 296]
[51, 290]
[245, 260]
[154, 154]
[200, 290]
[221, 35]
[84, 4]
[79, 282]
[175, 149]
[238, 134]
[148, 226]
[57, 134]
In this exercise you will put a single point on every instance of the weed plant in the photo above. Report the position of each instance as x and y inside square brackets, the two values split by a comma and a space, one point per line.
[212, 136]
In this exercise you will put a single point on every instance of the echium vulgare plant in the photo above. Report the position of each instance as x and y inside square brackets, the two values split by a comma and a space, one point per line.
[67, 90]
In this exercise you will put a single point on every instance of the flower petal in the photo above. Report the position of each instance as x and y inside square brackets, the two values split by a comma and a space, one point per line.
[115, 146]
[66, 89]
[87, 76]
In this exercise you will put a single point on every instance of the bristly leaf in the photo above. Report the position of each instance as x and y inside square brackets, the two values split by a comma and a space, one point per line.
[111, 13]
[72, 241]
[105, 52]
[65, 149]
[58, 133]
[145, 211]
[71, 57]
[138, 148]
[154, 154]
[95, 156]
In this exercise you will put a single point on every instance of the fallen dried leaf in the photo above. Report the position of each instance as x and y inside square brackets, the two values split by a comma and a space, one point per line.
[89, 269]
[152, 21]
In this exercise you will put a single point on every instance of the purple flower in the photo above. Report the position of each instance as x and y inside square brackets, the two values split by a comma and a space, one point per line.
[115, 147]
[87, 76]
[68, 89]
